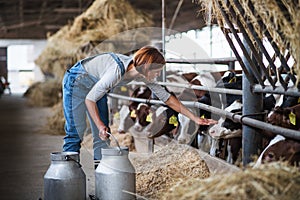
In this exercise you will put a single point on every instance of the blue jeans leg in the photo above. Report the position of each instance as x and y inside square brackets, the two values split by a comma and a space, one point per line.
[75, 88]
[97, 142]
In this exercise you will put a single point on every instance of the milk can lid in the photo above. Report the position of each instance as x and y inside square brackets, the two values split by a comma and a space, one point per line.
[64, 156]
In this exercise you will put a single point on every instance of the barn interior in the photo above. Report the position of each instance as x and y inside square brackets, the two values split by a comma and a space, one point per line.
[39, 40]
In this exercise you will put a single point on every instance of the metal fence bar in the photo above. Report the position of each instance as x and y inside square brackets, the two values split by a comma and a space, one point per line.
[273, 44]
[196, 87]
[277, 90]
[230, 42]
[256, 55]
[237, 118]
[247, 56]
[255, 36]
[225, 61]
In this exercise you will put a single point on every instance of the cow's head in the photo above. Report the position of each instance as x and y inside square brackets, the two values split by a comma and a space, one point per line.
[284, 117]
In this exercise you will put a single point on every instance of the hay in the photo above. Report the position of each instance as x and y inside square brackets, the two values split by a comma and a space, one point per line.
[44, 94]
[124, 140]
[103, 19]
[282, 24]
[164, 168]
[271, 181]
[56, 122]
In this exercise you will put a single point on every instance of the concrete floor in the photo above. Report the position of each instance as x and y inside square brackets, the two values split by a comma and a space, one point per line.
[25, 149]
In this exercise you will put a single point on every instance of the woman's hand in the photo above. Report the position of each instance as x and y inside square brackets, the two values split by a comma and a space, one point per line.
[203, 121]
[102, 133]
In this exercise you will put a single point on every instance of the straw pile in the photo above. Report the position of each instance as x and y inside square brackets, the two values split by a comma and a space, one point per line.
[56, 121]
[271, 181]
[44, 94]
[281, 18]
[164, 168]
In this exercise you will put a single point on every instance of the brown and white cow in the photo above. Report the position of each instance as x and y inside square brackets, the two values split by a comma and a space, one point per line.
[280, 149]
[285, 117]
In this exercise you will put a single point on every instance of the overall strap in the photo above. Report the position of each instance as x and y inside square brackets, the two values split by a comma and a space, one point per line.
[120, 63]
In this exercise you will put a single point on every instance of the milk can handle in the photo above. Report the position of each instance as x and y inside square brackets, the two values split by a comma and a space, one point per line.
[115, 139]
[68, 158]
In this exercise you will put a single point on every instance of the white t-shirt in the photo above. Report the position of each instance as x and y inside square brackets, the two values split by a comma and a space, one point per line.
[106, 69]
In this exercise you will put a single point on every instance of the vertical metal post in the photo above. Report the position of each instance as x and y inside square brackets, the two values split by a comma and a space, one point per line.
[163, 30]
[231, 65]
[252, 103]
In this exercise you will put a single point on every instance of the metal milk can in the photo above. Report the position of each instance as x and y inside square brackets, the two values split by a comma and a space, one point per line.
[115, 175]
[64, 179]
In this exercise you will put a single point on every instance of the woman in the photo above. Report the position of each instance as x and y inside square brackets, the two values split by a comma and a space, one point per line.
[85, 88]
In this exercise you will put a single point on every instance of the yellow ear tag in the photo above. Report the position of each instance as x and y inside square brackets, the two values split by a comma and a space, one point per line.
[149, 117]
[292, 117]
[173, 120]
[233, 80]
[203, 116]
[132, 114]
[123, 89]
[117, 115]
[299, 100]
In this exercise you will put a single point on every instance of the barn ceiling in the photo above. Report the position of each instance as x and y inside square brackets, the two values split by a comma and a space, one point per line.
[33, 19]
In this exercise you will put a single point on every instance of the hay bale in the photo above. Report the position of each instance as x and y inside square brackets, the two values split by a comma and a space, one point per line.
[156, 173]
[270, 181]
[56, 122]
[44, 94]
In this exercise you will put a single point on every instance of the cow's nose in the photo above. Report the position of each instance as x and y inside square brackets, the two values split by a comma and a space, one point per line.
[138, 128]
[121, 131]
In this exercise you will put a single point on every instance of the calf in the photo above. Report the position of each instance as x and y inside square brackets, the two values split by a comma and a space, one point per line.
[156, 121]
[188, 129]
[285, 117]
[280, 149]
[127, 113]
[228, 132]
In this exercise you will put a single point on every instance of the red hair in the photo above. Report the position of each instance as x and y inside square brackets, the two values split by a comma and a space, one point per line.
[148, 58]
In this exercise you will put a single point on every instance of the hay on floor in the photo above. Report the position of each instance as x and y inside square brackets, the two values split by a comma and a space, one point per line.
[270, 181]
[156, 173]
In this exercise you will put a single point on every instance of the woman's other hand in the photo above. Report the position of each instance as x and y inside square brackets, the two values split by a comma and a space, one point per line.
[203, 121]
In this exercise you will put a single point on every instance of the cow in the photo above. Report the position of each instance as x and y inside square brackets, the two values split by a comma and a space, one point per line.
[188, 130]
[127, 113]
[155, 121]
[285, 117]
[229, 133]
[280, 149]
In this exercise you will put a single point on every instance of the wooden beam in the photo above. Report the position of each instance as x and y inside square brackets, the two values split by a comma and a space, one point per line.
[68, 10]
[21, 25]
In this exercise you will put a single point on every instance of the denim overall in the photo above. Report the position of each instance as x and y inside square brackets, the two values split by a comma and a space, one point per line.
[76, 85]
